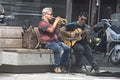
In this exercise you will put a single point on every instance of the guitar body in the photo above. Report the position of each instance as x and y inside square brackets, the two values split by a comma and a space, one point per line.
[70, 41]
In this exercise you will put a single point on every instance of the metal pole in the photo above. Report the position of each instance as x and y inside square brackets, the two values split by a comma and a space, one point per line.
[90, 10]
[97, 11]
[69, 10]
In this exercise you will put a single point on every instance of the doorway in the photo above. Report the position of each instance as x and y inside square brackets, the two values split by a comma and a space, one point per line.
[79, 6]
[107, 7]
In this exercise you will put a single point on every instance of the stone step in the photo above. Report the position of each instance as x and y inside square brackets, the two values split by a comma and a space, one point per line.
[27, 57]
[26, 60]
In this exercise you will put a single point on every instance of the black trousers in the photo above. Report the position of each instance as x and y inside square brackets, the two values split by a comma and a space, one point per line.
[84, 50]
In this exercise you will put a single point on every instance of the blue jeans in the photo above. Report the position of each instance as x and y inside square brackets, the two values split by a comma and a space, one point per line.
[61, 52]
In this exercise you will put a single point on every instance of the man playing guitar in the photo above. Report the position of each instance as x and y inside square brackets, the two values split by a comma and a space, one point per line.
[80, 47]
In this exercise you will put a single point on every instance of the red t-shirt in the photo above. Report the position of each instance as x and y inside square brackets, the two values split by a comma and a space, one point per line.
[45, 36]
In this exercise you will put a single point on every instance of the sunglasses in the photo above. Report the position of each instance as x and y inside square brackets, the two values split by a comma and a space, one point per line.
[50, 14]
[83, 19]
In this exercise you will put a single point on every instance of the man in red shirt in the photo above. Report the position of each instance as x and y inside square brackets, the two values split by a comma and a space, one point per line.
[49, 39]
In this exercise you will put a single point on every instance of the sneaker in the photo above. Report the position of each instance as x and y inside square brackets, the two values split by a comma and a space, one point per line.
[57, 70]
[97, 70]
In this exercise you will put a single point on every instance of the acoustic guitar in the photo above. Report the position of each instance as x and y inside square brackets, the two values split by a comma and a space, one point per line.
[70, 41]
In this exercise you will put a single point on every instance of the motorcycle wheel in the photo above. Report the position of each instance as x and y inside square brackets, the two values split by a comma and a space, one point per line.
[114, 58]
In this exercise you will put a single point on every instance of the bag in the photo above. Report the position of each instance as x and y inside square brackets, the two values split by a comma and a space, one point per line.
[30, 38]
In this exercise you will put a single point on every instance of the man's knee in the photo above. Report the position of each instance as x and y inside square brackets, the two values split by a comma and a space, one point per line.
[78, 53]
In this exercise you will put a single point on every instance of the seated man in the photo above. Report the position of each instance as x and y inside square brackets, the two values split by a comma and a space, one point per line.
[49, 39]
[80, 47]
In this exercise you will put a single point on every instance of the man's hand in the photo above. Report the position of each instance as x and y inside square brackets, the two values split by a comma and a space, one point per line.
[72, 34]
[87, 31]
[57, 19]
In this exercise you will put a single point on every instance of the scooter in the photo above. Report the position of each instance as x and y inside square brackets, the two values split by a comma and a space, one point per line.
[3, 17]
[113, 40]
[109, 33]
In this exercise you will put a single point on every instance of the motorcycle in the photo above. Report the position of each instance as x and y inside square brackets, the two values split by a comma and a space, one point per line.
[3, 17]
[109, 34]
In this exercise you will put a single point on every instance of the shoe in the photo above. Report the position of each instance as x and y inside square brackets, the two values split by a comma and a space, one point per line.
[64, 70]
[97, 70]
[57, 70]
[77, 69]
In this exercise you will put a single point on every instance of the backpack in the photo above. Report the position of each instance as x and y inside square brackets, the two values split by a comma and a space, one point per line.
[30, 39]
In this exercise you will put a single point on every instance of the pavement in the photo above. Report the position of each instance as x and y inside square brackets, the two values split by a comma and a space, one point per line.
[53, 76]
[60, 76]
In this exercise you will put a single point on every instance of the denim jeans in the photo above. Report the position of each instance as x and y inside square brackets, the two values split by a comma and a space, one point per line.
[61, 52]
[80, 50]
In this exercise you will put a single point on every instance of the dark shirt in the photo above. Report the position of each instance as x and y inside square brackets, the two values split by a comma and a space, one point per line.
[74, 25]
[45, 36]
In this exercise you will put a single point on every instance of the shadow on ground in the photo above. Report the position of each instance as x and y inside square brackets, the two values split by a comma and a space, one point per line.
[106, 74]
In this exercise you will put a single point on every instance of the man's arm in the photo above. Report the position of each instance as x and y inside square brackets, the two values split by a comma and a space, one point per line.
[87, 32]
[53, 27]
[70, 34]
